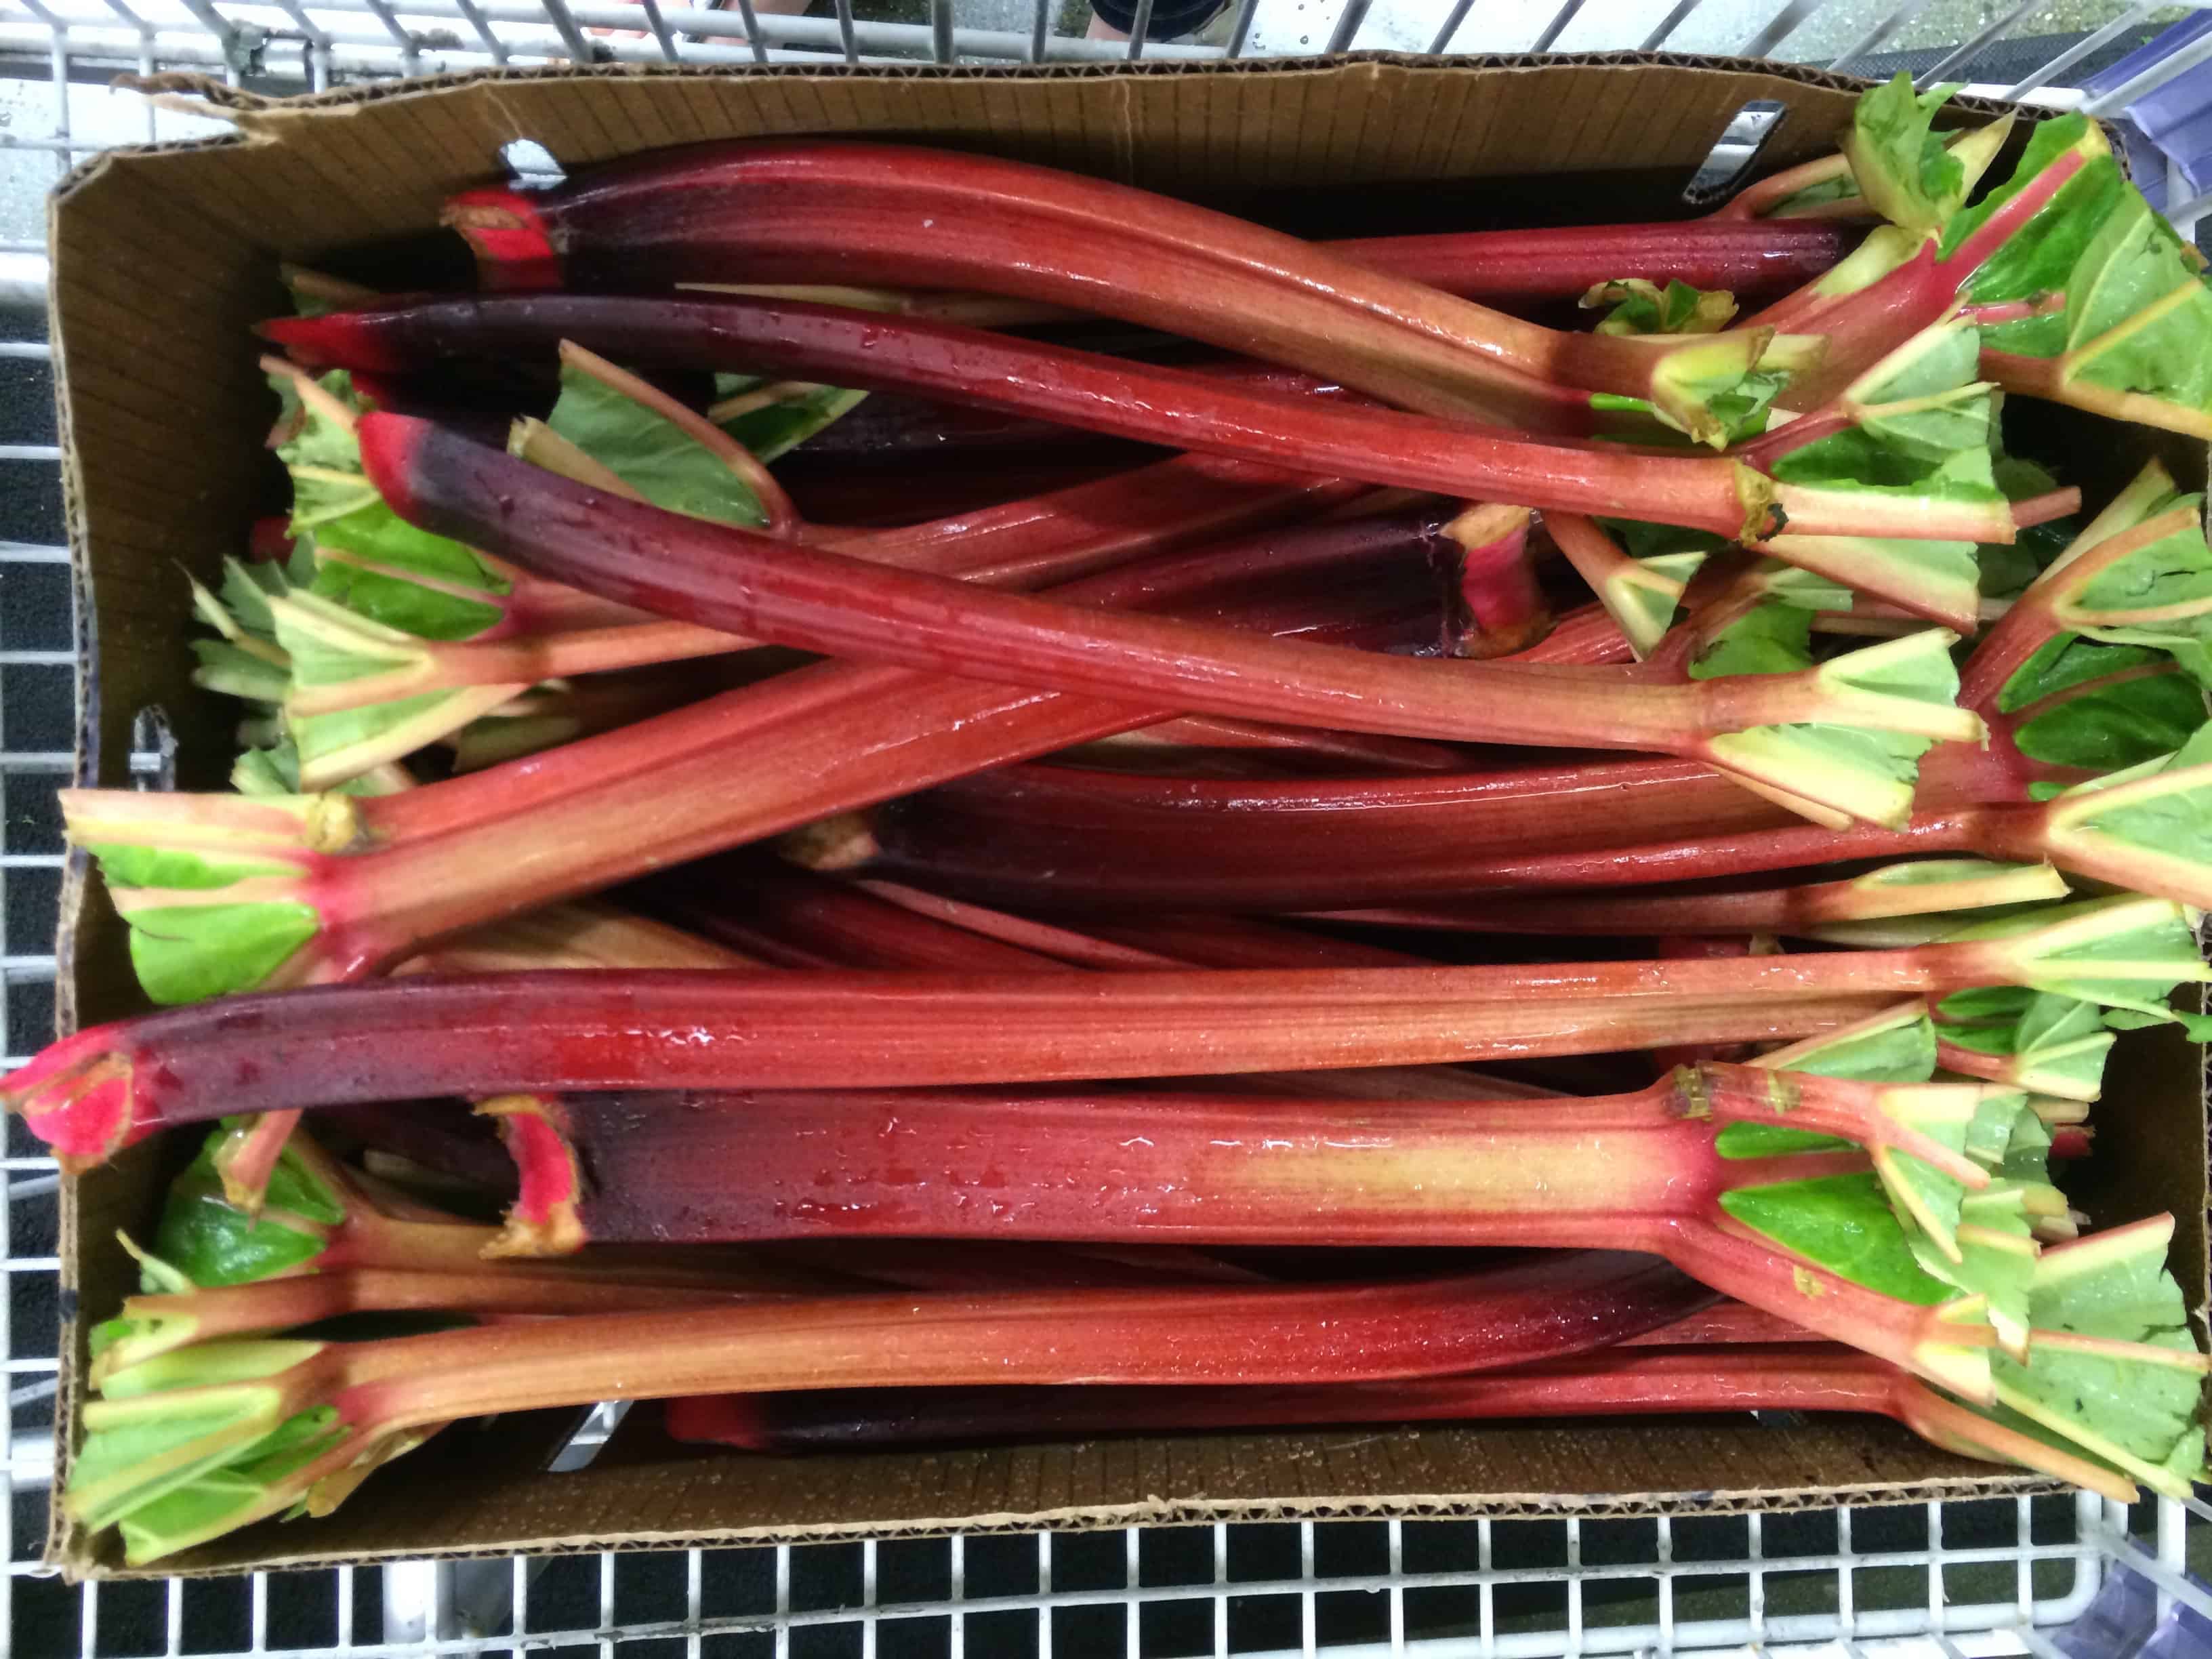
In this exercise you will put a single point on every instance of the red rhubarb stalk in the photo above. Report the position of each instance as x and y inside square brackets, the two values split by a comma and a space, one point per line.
[1149, 402]
[1516, 267]
[378, 1391]
[1034, 834]
[545, 1033]
[1621, 1382]
[809, 211]
[1936, 887]
[378, 877]
[722, 577]
[1643, 1170]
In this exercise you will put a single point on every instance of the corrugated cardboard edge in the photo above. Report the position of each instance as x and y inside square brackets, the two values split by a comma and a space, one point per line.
[266, 122]
[1164, 1512]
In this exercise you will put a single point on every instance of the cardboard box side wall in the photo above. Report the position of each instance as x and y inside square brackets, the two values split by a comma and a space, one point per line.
[163, 258]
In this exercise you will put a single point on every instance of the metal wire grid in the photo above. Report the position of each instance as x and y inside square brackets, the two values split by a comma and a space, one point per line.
[1882, 1580]
[314, 40]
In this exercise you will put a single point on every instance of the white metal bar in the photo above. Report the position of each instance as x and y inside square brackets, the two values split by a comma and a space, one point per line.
[2088, 43]
[1349, 20]
[1877, 37]
[1779, 27]
[940, 30]
[1140, 26]
[564, 25]
[658, 25]
[846, 33]
[1240, 31]
[1970, 50]
[1673, 19]
[1453, 19]
[1552, 30]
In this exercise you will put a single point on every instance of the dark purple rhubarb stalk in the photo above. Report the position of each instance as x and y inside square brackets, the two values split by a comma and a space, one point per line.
[1151, 404]
[1620, 1382]
[812, 211]
[548, 1033]
[1103, 842]
[721, 577]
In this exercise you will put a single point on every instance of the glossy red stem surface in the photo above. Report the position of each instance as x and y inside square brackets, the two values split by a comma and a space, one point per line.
[1216, 1334]
[1150, 403]
[1206, 1169]
[1627, 1381]
[1035, 834]
[808, 211]
[739, 582]
[596, 1029]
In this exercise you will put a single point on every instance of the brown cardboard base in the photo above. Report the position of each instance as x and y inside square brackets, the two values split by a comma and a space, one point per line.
[164, 258]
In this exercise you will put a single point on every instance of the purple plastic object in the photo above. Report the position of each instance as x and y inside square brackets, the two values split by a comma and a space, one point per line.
[2173, 122]
[2123, 1623]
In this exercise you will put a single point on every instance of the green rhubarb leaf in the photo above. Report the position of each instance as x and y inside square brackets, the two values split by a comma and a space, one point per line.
[1903, 169]
[1900, 1049]
[135, 1461]
[2171, 575]
[1638, 306]
[2135, 305]
[1844, 1224]
[2065, 662]
[2125, 951]
[1995, 1259]
[248, 588]
[1767, 639]
[1737, 1141]
[230, 671]
[2113, 727]
[776, 429]
[212, 1502]
[128, 864]
[190, 953]
[1866, 768]
[274, 770]
[212, 1242]
[650, 453]
[2038, 258]
[1992, 1131]
[2123, 1406]
[2160, 812]
[2056, 1046]
[397, 602]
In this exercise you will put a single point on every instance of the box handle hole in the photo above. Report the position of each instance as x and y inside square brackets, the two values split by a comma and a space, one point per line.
[1733, 152]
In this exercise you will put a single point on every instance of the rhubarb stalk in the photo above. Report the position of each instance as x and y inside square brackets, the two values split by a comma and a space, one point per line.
[90, 1094]
[1766, 728]
[288, 1421]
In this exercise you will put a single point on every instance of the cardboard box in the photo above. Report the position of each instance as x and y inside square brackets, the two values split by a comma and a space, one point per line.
[162, 257]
